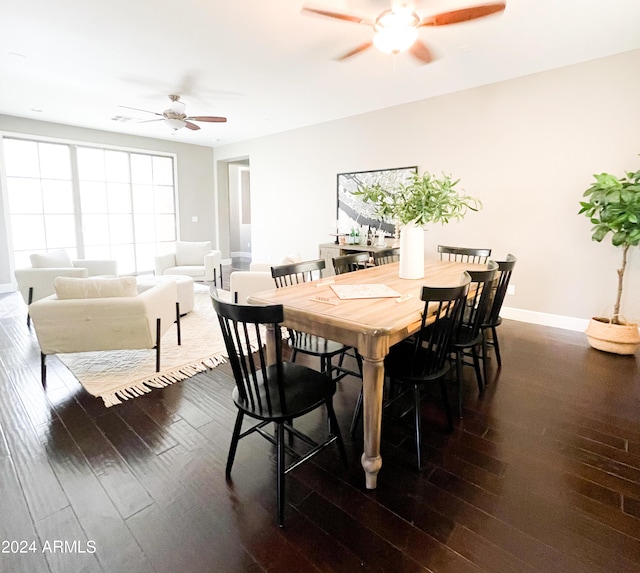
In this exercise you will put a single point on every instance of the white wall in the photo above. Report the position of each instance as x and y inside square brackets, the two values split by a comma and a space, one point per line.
[195, 183]
[526, 147]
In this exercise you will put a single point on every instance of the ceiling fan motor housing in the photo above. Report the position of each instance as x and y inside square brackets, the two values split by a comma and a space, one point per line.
[171, 114]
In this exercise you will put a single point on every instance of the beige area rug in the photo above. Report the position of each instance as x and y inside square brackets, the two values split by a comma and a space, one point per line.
[121, 375]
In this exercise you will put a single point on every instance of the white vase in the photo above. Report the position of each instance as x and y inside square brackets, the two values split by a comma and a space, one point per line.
[411, 252]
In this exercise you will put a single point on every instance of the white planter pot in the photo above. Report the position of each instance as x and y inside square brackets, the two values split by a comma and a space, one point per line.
[411, 252]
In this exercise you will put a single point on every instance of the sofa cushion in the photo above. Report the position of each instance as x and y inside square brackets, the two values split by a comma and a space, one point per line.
[70, 288]
[191, 253]
[58, 259]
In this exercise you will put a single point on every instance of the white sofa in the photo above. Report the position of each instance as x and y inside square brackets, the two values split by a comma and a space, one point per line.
[91, 314]
[194, 259]
[36, 282]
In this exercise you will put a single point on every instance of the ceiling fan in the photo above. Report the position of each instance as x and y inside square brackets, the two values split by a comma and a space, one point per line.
[396, 29]
[175, 116]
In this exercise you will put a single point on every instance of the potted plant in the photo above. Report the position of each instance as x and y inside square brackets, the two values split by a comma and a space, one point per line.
[613, 206]
[411, 205]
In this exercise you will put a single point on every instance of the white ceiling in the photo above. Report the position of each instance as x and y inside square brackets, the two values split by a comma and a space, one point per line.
[267, 67]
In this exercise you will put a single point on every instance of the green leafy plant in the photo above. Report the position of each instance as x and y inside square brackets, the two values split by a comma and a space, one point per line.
[423, 199]
[613, 206]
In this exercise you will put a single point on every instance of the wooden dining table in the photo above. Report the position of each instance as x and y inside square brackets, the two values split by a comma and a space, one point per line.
[371, 325]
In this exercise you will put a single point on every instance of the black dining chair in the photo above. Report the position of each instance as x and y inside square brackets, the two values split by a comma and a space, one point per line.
[505, 268]
[277, 393]
[303, 342]
[468, 339]
[424, 361]
[386, 256]
[463, 254]
[350, 263]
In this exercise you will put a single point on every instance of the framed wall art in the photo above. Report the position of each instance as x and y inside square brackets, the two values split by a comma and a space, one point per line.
[352, 211]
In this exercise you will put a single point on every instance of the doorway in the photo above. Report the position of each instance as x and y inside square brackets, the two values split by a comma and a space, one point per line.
[239, 177]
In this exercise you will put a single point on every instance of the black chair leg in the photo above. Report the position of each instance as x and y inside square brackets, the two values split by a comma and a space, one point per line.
[476, 366]
[158, 330]
[235, 438]
[324, 367]
[178, 329]
[29, 301]
[496, 346]
[280, 471]
[334, 430]
[459, 385]
[357, 414]
[416, 397]
[43, 369]
[485, 362]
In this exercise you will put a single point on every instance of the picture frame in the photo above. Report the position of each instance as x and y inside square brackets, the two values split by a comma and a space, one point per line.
[352, 211]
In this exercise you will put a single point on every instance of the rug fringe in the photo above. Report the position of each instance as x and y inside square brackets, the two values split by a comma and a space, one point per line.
[161, 380]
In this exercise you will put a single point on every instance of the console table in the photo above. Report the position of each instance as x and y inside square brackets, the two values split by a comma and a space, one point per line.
[330, 250]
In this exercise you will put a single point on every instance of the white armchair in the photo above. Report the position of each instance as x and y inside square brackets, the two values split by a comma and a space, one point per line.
[94, 314]
[243, 284]
[36, 282]
[193, 259]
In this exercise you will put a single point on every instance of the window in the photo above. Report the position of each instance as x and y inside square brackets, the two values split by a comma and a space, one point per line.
[95, 203]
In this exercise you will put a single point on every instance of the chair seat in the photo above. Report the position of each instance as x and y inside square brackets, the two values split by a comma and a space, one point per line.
[401, 362]
[465, 337]
[304, 390]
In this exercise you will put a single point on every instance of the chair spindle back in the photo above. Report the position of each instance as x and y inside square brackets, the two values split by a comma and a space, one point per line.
[257, 383]
[350, 263]
[463, 254]
[296, 273]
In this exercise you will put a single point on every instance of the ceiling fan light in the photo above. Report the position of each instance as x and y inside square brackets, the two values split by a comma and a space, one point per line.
[394, 39]
[175, 124]
[178, 107]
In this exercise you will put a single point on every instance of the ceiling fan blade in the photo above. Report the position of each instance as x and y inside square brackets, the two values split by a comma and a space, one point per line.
[150, 120]
[191, 126]
[337, 15]
[138, 109]
[421, 52]
[210, 118]
[357, 50]
[462, 15]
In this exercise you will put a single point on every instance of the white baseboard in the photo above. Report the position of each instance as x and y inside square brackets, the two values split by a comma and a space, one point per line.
[544, 319]
[241, 254]
[5, 288]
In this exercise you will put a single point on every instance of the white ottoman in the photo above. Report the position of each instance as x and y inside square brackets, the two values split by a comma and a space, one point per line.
[184, 286]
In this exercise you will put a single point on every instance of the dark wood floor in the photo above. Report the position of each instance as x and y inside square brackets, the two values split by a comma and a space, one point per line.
[543, 474]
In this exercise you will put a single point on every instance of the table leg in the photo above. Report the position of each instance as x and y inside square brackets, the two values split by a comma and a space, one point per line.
[373, 385]
[271, 344]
